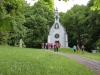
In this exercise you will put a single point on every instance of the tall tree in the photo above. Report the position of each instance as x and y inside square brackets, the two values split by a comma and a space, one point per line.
[74, 21]
[16, 9]
[93, 26]
[37, 19]
[83, 25]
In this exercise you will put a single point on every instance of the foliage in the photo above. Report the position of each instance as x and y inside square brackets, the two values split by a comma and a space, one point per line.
[20, 20]
[3, 38]
[5, 18]
[16, 9]
[93, 26]
[37, 20]
[82, 25]
[16, 34]
[74, 20]
[96, 5]
[97, 45]
[49, 4]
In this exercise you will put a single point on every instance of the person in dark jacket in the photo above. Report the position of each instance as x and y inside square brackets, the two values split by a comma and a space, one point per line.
[82, 49]
[55, 48]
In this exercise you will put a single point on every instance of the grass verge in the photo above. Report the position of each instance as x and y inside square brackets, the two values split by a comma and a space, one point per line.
[95, 56]
[25, 61]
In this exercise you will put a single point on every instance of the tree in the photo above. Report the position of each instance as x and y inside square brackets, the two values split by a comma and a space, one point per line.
[16, 8]
[93, 26]
[74, 20]
[48, 3]
[96, 5]
[5, 18]
[37, 19]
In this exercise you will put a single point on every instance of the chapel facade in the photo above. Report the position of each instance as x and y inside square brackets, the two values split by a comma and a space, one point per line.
[57, 32]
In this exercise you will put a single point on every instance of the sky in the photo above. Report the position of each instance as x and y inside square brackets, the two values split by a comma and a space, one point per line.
[64, 6]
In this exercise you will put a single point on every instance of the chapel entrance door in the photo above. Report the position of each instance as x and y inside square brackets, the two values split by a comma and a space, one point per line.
[56, 41]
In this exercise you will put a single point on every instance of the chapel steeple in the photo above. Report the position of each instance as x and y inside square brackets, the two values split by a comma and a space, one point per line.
[57, 32]
[56, 15]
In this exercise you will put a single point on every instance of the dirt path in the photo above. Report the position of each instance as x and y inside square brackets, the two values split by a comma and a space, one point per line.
[92, 64]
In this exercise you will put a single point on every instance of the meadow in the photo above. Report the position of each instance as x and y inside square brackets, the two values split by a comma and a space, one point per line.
[28, 61]
[90, 55]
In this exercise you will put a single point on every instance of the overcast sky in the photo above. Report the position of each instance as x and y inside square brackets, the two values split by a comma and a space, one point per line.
[64, 6]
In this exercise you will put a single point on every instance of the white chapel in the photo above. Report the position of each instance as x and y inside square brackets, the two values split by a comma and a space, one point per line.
[57, 33]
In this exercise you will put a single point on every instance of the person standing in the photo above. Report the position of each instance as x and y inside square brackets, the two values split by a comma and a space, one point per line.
[21, 42]
[57, 46]
[44, 45]
[82, 49]
[49, 45]
[78, 48]
[74, 47]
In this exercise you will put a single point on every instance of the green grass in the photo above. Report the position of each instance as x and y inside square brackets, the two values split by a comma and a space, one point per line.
[95, 56]
[25, 61]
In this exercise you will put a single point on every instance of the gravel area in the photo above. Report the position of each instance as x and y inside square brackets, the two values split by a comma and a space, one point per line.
[90, 63]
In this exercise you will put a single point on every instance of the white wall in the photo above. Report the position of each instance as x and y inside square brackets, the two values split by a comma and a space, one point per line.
[62, 38]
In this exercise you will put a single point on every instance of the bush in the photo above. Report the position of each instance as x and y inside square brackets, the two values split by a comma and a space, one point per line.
[3, 38]
[97, 45]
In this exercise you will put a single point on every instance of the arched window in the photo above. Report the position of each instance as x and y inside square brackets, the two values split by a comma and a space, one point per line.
[56, 26]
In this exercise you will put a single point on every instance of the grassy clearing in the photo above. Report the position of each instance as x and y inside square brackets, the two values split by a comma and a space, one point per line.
[95, 56]
[25, 61]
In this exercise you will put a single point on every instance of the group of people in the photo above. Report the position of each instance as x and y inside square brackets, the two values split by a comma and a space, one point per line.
[47, 45]
[56, 46]
[76, 48]
[51, 45]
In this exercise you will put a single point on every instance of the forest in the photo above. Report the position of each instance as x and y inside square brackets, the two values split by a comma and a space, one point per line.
[19, 20]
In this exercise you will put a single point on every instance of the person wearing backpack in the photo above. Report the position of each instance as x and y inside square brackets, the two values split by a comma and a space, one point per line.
[74, 48]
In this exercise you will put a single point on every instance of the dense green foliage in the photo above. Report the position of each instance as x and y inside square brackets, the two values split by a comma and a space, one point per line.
[20, 20]
[25, 21]
[4, 17]
[12, 18]
[37, 20]
[82, 26]
[25, 61]
[49, 4]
